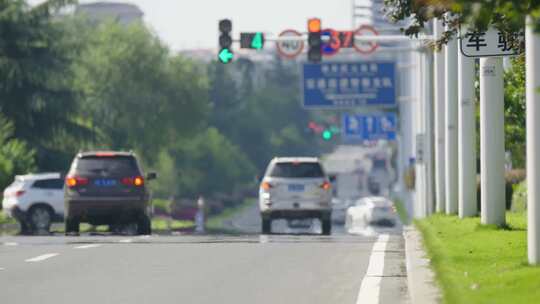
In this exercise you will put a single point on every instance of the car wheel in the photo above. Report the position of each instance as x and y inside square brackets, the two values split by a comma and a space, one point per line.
[26, 228]
[266, 225]
[40, 218]
[72, 226]
[326, 226]
[144, 226]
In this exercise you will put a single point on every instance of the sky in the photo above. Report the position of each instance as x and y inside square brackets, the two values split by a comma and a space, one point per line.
[192, 24]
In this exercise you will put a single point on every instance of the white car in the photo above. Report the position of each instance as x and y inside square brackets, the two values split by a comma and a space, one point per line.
[371, 210]
[35, 201]
[295, 188]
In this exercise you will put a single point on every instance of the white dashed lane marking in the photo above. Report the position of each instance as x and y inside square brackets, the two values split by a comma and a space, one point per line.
[10, 244]
[41, 258]
[88, 246]
[371, 284]
[125, 241]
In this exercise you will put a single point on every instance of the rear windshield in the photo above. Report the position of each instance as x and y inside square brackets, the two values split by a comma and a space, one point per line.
[108, 165]
[297, 170]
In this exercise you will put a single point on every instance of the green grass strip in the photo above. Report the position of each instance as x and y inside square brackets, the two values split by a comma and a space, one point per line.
[481, 264]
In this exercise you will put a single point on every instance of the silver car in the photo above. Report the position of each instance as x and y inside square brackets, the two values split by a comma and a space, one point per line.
[295, 188]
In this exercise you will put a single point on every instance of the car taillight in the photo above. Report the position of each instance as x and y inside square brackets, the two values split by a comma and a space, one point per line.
[266, 186]
[136, 181]
[18, 193]
[74, 181]
[326, 186]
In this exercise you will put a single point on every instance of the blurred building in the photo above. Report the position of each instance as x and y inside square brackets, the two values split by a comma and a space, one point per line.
[123, 13]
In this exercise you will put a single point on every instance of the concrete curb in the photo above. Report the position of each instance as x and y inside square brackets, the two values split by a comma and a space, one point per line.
[420, 276]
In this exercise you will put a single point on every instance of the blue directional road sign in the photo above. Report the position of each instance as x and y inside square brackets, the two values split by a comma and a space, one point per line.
[370, 126]
[345, 85]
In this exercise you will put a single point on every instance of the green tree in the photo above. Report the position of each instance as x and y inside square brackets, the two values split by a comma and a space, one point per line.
[15, 155]
[514, 111]
[36, 92]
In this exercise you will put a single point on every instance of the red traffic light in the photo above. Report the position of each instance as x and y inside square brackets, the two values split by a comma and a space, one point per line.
[314, 25]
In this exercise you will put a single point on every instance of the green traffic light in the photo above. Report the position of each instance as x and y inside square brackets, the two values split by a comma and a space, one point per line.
[257, 42]
[225, 55]
[327, 134]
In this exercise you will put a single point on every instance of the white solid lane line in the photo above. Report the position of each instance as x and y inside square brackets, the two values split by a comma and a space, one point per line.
[371, 284]
[42, 257]
[88, 246]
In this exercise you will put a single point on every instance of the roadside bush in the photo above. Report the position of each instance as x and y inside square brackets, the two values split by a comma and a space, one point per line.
[512, 178]
[519, 199]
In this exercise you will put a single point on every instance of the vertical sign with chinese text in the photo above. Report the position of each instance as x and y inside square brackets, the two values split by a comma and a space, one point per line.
[345, 85]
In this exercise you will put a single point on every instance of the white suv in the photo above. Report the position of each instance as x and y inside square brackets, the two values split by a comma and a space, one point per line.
[35, 201]
[295, 188]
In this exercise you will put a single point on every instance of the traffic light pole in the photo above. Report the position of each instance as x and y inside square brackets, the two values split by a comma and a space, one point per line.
[532, 45]
[492, 184]
[467, 137]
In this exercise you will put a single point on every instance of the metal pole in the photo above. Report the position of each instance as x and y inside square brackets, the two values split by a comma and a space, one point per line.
[439, 122]
[467, 137]
[492, 141]
[428, 128]
[451, 108]
[532, 44]
[420, 189]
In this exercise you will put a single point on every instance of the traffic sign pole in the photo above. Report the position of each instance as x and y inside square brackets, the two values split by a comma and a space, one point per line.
[439, 122]
[492, 184]
[451, 136]
[532, 45]
[467, 135]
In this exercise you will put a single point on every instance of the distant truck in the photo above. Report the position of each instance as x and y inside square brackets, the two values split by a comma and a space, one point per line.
[348, 185]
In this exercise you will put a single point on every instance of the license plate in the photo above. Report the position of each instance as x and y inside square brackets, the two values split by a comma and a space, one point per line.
[105, 182]
[296, 188]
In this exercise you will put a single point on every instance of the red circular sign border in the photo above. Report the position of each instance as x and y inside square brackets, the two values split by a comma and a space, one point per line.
[374, 45]
[280, 51]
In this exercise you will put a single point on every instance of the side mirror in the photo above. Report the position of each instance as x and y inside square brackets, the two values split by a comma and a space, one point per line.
[150, 176]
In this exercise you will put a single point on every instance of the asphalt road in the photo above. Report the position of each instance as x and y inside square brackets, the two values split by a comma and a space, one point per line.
[302, 267]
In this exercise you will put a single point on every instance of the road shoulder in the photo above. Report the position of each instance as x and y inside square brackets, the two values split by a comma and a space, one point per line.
[420, 276]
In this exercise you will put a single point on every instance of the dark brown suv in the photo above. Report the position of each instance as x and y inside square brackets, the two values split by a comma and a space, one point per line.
[107, 188]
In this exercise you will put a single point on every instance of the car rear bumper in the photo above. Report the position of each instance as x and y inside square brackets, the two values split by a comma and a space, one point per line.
[106, 210]
[297, 214]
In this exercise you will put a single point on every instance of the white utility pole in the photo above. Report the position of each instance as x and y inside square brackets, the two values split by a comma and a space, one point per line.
[467, 137]
[439, 122]
[492, 141]
[451, 136]
[532, 43]
[427, 99]
[420, 204]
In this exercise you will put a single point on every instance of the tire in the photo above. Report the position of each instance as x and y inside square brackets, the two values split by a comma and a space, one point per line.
[326, 226]
[40, 219]
[144, 225]
[72, 226]
[266, 225]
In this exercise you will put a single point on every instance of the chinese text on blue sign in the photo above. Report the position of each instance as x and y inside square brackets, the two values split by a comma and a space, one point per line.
[370, 126]
[341, 85]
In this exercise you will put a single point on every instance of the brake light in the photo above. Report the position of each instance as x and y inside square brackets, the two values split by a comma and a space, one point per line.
[326, 186]
[105, 154]
[18, 193]
[266, 186]
[137, 181]
[74, 181]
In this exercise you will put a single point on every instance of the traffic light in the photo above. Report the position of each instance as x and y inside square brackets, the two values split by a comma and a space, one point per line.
[327, 135]
[252, 40]
[225, 41]
[314, 40]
